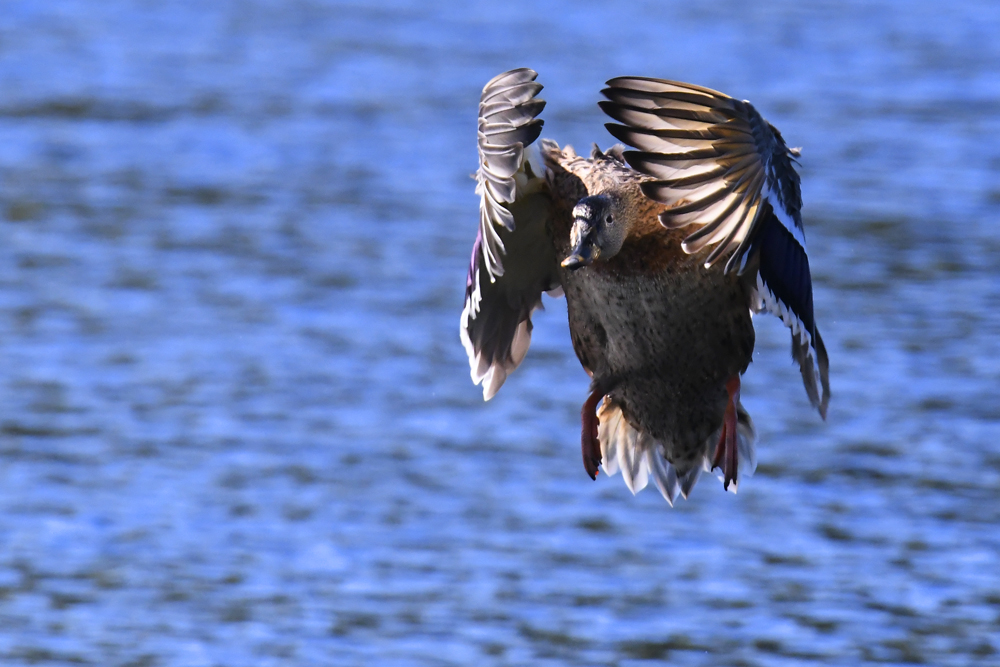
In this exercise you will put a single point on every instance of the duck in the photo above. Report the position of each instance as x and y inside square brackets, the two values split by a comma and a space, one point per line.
[664, 245]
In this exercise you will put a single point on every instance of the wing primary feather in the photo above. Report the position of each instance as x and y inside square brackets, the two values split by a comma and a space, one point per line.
[511, 77]
[495, 327]
[740, 254]
[513, 93]
[667, 133]
[650, 83]
[723, 247]
[644, 119]
[642, 160]
[657, 140]
[502, 112]
[677, 101]
[699, 204]
[694, 180]
[706, 117]
[697, 240]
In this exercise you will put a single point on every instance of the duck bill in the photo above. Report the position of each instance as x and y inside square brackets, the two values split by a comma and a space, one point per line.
[584, 251]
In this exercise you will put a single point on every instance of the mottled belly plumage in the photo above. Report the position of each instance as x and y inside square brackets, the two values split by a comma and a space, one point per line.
[656, 337]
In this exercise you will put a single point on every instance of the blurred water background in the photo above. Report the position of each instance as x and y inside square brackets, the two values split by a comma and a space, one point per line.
[236, 423]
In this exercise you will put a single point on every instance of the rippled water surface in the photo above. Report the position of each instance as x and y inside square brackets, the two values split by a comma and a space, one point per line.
[237, 426]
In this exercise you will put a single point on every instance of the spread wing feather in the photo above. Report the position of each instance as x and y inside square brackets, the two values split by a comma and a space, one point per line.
[720, 167]
[513, 260]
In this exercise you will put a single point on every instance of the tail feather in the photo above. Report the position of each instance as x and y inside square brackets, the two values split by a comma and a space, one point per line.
[640, 458]
[632, 460]
[664, 476]
[690, 478]
[610, 420]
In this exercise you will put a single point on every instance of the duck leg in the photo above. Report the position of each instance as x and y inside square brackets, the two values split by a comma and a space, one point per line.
[588, 439]
[726, 452]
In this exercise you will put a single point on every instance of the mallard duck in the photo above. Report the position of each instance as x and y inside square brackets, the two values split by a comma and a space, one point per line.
[663, 252]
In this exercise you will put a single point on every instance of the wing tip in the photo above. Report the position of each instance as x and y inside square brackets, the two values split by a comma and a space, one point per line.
[508, 125]
[521, 74]
[491, 373]
[808, 349]
[823, 363]
[622, 82]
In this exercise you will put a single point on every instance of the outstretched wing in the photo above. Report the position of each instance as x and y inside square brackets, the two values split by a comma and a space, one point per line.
[723, 169]
[513, 260]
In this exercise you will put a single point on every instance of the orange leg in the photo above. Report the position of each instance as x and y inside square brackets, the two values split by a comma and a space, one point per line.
[588, 439]
[726, 453]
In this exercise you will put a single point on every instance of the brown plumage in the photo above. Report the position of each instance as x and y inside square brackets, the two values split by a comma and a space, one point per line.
[663, 332]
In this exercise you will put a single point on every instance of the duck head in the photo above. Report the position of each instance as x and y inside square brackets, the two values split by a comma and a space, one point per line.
[599, 230]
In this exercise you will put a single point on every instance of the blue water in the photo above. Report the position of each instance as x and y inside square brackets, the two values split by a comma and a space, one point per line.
[237, 426]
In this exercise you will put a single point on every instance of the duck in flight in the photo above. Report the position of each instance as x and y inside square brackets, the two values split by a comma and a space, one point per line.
[663, 253]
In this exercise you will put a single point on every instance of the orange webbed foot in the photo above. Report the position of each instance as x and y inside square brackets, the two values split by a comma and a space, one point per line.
[727, 452]
[589, 442]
